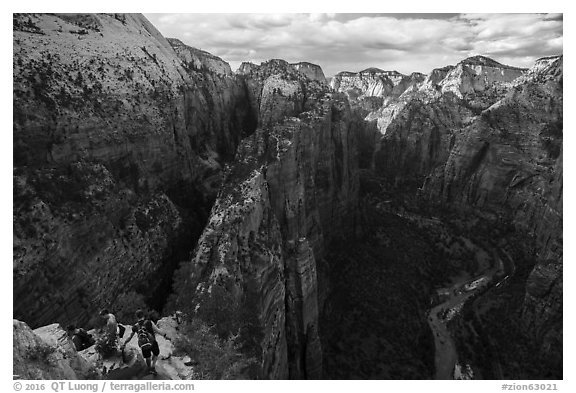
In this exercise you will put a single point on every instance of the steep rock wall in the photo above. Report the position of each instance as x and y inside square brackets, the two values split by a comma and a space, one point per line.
[118, 146]
[486, 136]
[418, 127]
[277, 89]
[508, 162]
[292, 188]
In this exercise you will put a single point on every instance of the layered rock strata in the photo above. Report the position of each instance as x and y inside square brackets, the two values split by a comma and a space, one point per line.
[374, 82]
[508, 162]
[292, 188]
[488, 137]
[119, 142]
[418, 127]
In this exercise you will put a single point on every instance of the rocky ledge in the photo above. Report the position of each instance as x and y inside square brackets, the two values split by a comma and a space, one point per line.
[48, 353]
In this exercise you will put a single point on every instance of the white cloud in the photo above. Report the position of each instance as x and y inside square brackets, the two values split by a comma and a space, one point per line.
[354, 42]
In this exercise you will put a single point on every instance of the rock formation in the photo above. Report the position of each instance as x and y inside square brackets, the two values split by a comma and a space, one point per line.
[417, 126]
[47, 353]
[312, 71]
[508, 161]
[476, 74]
[199, 60]
[120, 134]
[292, 188]
[374, 82]
[119, 142]
[486, 136]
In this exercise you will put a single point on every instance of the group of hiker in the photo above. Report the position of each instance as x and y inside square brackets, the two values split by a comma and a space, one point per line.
[144, 329]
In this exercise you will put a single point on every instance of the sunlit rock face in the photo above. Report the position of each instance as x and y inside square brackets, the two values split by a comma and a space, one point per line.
[497, 158]
[486, 136]
[312, 71]
[417, 127]
[115, 133]
[498, 150]
[293, 187]
[47, 353]
[197, 59]
[476, 74]
[509, 161]
[374, 82]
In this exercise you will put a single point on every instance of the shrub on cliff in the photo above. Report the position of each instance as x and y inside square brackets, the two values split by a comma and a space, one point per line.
[40, 353]
[220, 311]
[214, 358]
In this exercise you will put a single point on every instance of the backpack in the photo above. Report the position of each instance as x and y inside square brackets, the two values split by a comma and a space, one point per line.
[145, 338]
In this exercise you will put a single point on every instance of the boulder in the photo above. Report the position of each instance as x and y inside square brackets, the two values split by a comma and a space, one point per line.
[48, 353]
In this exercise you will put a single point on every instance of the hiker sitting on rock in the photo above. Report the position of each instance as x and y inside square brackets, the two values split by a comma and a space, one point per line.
[146, 329]
[80, 337]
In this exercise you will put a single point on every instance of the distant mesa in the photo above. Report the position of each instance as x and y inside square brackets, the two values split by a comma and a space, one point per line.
[309, 70]
[378, 71]
[372, 70]
[312, 71]
[486, 62]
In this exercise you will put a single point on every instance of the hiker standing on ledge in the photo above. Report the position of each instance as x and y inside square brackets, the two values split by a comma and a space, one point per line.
[145, 329]
[111, 325]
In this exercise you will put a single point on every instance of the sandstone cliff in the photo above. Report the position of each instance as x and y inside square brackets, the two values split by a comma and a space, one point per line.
[476, 74]
[312, 71]
[417, 127]
[292, 188]
[119, 142]
[120, 139]
[486, 138]
[47, 353]
[508, 162]
[374, 85]
[197, 59]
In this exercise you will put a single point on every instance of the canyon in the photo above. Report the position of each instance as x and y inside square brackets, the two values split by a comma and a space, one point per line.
[331, 229]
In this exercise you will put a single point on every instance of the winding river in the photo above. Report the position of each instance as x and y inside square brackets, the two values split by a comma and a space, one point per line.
[455, 296]
[453, 300]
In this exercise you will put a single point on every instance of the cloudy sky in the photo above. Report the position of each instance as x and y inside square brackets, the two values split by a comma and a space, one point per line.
[352, 42]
